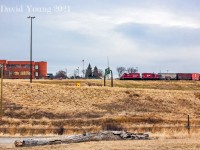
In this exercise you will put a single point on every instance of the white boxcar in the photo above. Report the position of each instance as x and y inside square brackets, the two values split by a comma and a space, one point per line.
[167, 76]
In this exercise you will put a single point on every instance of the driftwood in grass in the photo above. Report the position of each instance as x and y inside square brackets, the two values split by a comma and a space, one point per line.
[100, 136]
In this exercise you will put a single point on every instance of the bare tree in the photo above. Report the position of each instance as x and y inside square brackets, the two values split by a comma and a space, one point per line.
[121, 70]
[131, 70]
[100, 71]
[61, 74]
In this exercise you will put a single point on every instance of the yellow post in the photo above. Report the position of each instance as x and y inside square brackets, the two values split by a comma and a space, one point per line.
[78, 84]
[1, 91]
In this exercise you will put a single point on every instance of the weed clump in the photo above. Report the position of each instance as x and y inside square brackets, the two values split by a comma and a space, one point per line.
[112, 127]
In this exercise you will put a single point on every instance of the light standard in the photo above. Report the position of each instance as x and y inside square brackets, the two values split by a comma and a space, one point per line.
[74, 74]
[31, 69]
[83, 67]
[66, 72]
[78, 72]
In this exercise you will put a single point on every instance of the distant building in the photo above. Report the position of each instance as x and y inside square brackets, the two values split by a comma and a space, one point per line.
[21, 69]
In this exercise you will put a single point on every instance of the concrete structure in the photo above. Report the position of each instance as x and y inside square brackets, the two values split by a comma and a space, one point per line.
[21, 69]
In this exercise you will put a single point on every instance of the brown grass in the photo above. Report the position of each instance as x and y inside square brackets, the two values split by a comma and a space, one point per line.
[50, 104]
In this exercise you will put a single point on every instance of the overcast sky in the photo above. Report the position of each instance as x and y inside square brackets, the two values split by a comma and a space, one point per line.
[153, 35]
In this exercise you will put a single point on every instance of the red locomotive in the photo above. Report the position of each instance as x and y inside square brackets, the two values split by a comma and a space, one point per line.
[130, 76]
[150, 76]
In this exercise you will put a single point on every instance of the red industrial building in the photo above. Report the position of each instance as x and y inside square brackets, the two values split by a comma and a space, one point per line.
[21, 69]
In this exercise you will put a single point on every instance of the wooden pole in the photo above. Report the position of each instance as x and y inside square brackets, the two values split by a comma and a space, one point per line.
[188, 124]
[1, 91]
[104, 80]
[111, 78]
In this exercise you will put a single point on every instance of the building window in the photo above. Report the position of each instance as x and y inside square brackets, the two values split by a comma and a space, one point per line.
[36, 66]
[24, 73]
[15, 73]
[8, 73]
[25, 66]
[13, 66]
[36, 74]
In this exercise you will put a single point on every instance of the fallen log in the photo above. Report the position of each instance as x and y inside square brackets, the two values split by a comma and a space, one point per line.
[100, 136]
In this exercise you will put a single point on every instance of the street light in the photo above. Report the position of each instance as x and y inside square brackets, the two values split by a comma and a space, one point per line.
[31, 70]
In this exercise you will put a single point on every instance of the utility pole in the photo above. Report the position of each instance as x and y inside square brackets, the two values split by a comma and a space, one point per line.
[31, 68]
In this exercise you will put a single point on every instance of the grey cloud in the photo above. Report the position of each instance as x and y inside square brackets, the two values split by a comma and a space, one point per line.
[162, 36]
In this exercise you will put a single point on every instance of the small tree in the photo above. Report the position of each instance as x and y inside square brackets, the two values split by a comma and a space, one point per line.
[61, 74]
[121, 70]
[88, 73]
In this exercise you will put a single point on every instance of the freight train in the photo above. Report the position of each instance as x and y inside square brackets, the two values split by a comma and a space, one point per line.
[160, 76]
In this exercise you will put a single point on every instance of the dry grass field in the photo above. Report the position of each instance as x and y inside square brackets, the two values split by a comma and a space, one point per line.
[53, 103]
[159, 107]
